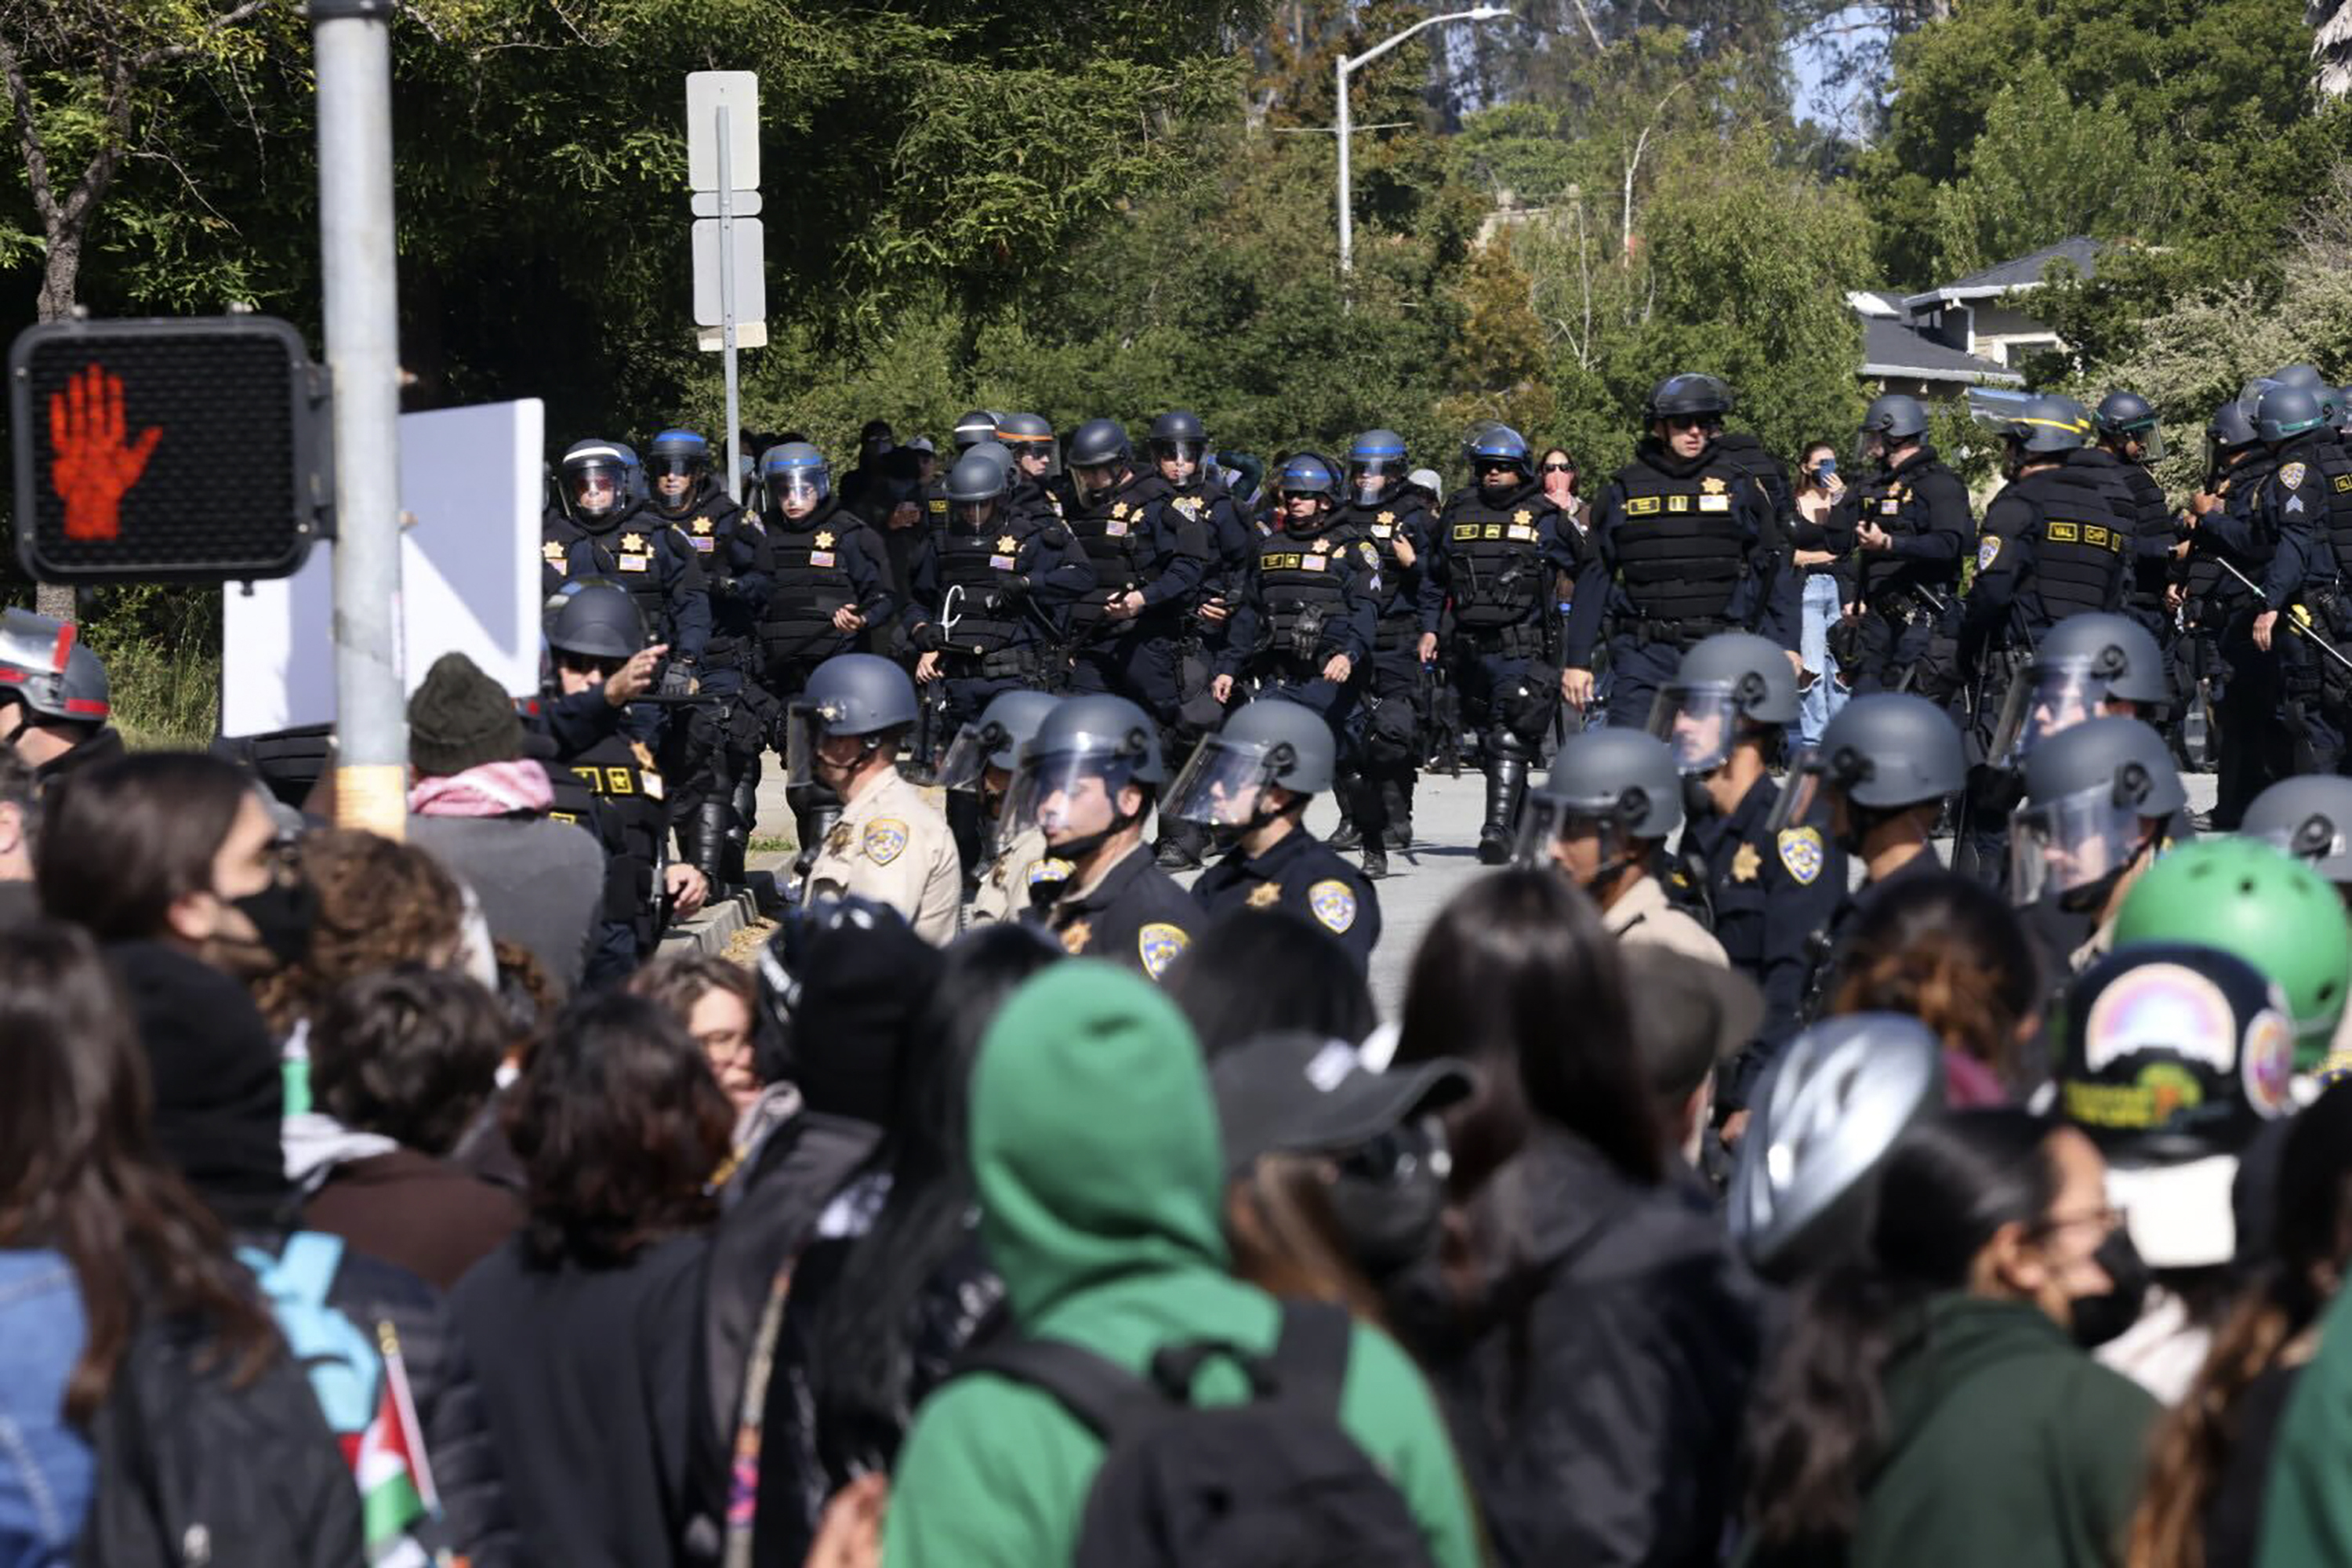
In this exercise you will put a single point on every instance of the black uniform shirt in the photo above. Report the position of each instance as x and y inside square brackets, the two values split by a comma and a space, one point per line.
[1302, 874]
[1137, 915]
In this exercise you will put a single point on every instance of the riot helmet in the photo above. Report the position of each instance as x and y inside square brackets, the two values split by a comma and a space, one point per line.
[2127, 417]
[976, 488]
[2085, 665]
[1499, 456]
[1179, 440]
[2034, 427]
[1376, 468]
[596, 619]
[46, 666]
[993, 740]
[1726, 682]
[1820, 1126]
[2283, 413]
[860, 696]
[1883, 754]
[1099, 457]
[2310, 817]
[1705, 399]
[2230, 431]
[1891, 420]
[1307, 475]
[1073, 778]
[1269, 743]
[675, 465]
[596, 481]
[975, 427]
[1609, 793]
[2305, 377]
[796, 477]
[1029, 438]
[2096, 795]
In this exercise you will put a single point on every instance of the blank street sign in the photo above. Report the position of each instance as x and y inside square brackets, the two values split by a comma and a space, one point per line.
[740, 92]
[750, 275]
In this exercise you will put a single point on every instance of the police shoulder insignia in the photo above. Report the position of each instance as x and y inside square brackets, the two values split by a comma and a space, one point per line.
[1801, 852]
[1265, 895]
[1333, 902]
[1746, 863]
[886, 839]
[1158, 944]
[2291, 477]
[1049, 870]
[1371, 554]
[1987, 552]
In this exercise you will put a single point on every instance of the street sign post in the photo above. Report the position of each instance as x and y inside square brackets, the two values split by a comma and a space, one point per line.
[722, 160]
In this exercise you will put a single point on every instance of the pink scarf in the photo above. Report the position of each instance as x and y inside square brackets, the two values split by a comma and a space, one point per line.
[494, 789]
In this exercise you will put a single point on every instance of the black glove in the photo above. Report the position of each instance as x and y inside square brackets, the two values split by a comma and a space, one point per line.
[929, 638]
[678, 679]
[1012, 589]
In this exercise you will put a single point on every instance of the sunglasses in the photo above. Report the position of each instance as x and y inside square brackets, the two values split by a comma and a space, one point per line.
[1685, 422]
[1559, 468]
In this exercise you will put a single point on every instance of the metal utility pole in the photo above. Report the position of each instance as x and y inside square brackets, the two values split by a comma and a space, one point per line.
[1347, 119]
[351, 43]
[722, 157]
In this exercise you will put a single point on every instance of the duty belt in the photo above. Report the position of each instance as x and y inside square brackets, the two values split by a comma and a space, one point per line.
[1902, 604]
[1648, 630]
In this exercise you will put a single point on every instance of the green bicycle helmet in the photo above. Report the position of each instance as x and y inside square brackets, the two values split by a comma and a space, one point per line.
[2245, 897]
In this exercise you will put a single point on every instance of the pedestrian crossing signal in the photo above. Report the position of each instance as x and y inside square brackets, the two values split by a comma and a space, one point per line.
[179, 450]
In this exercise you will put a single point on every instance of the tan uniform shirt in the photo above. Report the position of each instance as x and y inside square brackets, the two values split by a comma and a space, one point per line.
[1004, 892]
[893, 846]
[1643, 915]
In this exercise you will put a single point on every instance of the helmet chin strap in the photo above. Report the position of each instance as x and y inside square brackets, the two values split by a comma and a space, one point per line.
[1081, 848]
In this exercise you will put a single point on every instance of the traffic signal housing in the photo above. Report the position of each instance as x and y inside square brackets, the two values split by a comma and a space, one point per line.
[169, 449]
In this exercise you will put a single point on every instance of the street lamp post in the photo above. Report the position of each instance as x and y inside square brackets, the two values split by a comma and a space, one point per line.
[1347, 122]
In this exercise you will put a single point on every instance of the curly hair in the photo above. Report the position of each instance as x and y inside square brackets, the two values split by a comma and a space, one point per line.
[412, 1054]
[381, 905]
[1946, 950]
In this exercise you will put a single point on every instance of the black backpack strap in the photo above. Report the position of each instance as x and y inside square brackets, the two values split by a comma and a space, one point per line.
[1103, 1395]
[1310, 1358]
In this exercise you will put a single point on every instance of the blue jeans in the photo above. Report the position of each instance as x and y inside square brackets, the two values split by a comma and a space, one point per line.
[1818, 704]
[47, 1471]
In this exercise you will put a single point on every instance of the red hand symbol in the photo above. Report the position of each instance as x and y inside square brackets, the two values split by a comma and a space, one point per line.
[93, 469]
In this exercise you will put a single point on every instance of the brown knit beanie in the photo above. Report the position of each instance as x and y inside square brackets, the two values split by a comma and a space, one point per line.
[459, 719]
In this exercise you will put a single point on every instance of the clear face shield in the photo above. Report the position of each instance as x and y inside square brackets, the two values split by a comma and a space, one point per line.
[1069, 796]
[965, 766]
[1371, 480]
[1097, 481]
[674, 482]
[1180, 460]
[975, 515]
[1577, 838]
[2150, 439]
[2043, 700]
[1224, 784]
[1869, 449]
[2071, 843]
[1802, 794]
[595, 488]
[797, 491]
[1700, 723]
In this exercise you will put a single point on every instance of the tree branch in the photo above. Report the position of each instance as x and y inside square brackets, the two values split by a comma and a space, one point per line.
[147, 59]
[28, 136]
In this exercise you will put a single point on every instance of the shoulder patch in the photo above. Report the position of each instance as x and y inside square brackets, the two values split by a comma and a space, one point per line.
[1333, 903]
[886, 839]
[1158, 944]
[1371, 554]
[1049, 870]
[1801, 852]
[1987, 552]
[2291, 477]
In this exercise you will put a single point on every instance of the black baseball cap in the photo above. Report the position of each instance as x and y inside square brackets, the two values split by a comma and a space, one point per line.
[1293, 1092]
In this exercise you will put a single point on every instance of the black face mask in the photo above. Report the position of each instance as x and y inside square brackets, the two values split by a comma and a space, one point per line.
[1389, 1199]
[1697, 802]
[282, 915]
[2100, 1317]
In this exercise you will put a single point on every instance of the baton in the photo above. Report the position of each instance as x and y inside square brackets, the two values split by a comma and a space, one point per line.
[2306, 633]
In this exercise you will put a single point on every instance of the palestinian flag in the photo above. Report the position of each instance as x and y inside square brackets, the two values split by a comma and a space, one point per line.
[397, 1501]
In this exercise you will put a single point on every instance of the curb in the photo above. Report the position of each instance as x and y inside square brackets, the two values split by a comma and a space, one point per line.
[711, 928]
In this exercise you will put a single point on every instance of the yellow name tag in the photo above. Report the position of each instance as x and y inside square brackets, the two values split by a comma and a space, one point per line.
[1279, 562]
[1464, 530]
[1640, 505]
[2066, 532]
[1679, 504]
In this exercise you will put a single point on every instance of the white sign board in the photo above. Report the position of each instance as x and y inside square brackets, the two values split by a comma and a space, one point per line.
[750, 274]
[738, 93]
[748, 335]
[470, 494]
[741, 203]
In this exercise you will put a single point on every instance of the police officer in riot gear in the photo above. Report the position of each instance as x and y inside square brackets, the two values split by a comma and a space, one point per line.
[1496, 551]
[981, 763]
[1306, 632]
[1685, 545]
[826, 588]
[2306, 509]
[1087, 781]
[2087, 666]
[603, 533]
[1724, 715]
[992, 595]
[1908, 523]
[2130, 437]
[605, 777]
[1383, 508]
[2099, 802]
[885, 841]
[1027, 439]
[1199, 504]
[1602, 815]
[54, 697]
[972, 429]
[2227, 541]
[1249, 784]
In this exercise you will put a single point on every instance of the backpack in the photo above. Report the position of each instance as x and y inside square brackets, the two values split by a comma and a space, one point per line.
[1271, 1483]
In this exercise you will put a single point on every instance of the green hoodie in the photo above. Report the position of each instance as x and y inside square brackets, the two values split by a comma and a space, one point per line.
[1095, 1151]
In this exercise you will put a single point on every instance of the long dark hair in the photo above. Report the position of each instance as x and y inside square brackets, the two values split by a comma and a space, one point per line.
[861, 1343]
[1519, 976]
[124, 840]
[620, 1127]
[1952, 953]
[2311, 1241]
[79, 1170]
[1222, 981]
[1818, 1425]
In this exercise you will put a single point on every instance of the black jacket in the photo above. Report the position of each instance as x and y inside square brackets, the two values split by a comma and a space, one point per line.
[1596, 1400]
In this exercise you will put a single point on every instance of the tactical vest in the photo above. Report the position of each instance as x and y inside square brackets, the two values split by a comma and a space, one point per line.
[710, 530]
[2149, 577]
[629, 554]
[978, 565]
[611, 790]
[1681, 546]
[1891, 499]
[1112, 533]
[1494, 552]
[1382, 526]
[2081, 547]
[809, 582]
[2332, 469]
[1303, 586]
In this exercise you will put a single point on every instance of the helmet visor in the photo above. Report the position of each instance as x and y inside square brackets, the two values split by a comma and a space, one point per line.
[1801, 794]
[966, 757]
[1186, 452]
[1224, 782]
[805, 486]
[2042, 701]
[803, 727]
[1066, 795]
[595, 488]
[2150, 437]
[2314, 839]
[1699, 723]
[2068, 842]
[1567, 826]
[975, 515]
[673, 481]
[1371, 480]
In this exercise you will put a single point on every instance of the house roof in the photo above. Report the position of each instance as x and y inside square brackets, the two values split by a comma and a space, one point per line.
[1891, 351]
[1874, 302]
[2019, 272]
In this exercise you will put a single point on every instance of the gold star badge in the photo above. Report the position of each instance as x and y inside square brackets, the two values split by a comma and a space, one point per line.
[1523, 517]
[1265, 895]
[1746, 864]
[1006, 544]
[837, 841]
[1712, 486]
[1074, 937]
[702, 525]
[1385, 518]
[824, 539]
[1117, 510]
[1322, 547]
